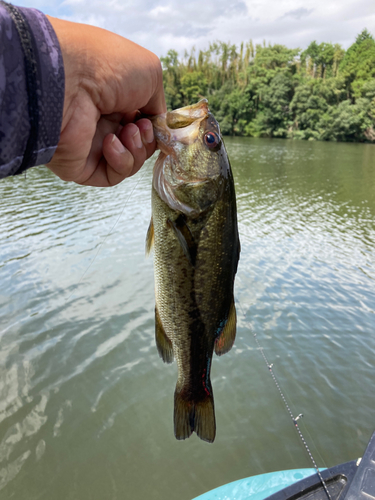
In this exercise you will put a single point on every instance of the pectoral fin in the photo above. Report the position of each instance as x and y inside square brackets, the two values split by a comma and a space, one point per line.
[150, 237]
[163, 343]
[225, 340]
[185, 238]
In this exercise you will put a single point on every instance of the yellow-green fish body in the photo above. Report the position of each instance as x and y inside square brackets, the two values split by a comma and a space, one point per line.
[196, 251]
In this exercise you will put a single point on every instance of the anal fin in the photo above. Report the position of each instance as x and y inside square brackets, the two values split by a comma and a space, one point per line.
[163, 343]
[225, 340]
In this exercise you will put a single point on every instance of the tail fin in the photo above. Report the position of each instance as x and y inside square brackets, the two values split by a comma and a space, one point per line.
[192, 416]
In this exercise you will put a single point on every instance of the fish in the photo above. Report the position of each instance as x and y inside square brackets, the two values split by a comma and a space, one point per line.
[194, 236]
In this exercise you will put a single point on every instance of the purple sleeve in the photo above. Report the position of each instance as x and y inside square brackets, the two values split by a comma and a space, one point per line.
[31, 102]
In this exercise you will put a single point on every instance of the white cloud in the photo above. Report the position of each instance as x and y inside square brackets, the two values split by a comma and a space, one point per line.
[298, 13]
[161, 25]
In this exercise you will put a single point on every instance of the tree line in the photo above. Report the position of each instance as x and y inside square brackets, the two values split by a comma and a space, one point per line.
[321, 93]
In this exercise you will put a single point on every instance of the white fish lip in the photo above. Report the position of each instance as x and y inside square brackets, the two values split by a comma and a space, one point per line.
[180, 125]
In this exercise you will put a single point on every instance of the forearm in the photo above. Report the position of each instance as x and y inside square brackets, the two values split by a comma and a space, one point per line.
[31, 90]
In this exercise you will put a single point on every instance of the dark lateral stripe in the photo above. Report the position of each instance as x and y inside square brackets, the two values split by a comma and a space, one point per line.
[31, 82]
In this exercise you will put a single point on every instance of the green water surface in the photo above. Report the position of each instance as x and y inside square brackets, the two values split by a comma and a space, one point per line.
[86, 404]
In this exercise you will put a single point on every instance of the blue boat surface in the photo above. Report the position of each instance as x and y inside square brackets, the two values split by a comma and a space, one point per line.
[257, 487]
[353, 480]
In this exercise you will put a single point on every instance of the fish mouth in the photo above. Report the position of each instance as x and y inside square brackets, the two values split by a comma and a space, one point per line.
[180, 125]
[173, 132]
[183, 117]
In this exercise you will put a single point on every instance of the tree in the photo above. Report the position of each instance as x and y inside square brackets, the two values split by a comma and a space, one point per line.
[358, 65]
[171, 79]
[276, 115]
[320, 58]
[323, 93]
[193, 87]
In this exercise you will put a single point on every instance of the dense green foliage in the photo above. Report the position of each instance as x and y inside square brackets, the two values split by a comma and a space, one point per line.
[322, 93]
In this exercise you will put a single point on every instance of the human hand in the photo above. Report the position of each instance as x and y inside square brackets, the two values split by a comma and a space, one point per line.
[108, 81]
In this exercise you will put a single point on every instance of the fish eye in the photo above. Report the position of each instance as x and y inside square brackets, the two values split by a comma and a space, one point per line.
[211, 139]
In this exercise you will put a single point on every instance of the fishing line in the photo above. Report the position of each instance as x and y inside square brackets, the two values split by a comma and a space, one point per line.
[294, 419]
[141, 176]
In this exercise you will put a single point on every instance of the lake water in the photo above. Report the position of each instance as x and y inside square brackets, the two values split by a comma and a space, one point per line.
[86, 404]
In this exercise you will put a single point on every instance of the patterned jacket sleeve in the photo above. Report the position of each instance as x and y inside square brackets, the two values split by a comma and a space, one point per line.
[31, 89]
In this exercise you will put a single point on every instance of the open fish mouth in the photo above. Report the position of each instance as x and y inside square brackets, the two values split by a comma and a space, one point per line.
[180, 125]
[183, 117]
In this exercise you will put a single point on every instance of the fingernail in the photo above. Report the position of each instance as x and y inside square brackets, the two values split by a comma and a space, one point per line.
[137, 139]
[117, 145]
[148, 133]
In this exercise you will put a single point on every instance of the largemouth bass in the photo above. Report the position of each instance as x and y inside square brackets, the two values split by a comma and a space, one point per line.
[196, 249]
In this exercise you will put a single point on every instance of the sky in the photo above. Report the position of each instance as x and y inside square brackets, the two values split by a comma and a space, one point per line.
[160, 25]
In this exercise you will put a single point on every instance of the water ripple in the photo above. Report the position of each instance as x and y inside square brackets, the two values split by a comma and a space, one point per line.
[84, 397]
